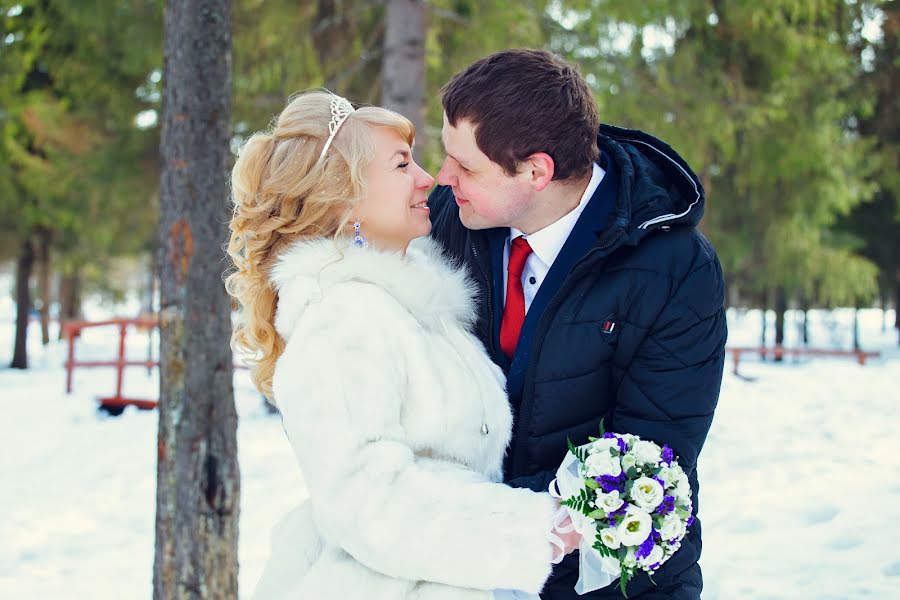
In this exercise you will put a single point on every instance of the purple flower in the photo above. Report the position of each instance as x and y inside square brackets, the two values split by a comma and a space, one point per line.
[613, 517]
[609, 483]
[667, 455]
[666, 506]
[654, 566]
[645, 549]
[690, 521]
[623, 447]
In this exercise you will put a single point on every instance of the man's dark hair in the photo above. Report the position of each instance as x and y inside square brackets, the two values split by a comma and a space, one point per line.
[524, 101]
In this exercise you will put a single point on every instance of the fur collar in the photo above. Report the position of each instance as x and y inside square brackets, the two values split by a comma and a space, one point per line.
[423, 281]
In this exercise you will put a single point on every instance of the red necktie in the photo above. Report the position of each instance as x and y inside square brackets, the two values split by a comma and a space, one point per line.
[514, 311]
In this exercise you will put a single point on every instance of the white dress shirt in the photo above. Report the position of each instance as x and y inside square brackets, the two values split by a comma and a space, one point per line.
[547, 243]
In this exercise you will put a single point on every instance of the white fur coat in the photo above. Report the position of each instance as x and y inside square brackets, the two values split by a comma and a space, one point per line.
[383, 391]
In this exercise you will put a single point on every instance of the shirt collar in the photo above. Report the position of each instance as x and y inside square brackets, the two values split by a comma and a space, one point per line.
[548, 242]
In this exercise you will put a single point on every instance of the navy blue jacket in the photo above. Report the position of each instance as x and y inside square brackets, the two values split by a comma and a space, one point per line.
[628, 327]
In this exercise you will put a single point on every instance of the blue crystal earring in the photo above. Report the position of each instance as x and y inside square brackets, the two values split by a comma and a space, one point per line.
[358, 239]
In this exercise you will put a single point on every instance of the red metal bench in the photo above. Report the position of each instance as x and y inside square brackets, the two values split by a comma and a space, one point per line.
[779, 352]
[116, 403]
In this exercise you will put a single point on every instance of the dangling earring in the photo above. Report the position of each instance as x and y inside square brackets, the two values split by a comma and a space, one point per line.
[358, 239]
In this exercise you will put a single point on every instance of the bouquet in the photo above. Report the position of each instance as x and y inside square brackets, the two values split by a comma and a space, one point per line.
[630, 501]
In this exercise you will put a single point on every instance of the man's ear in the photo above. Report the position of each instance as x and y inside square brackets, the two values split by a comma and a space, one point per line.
[539, 168]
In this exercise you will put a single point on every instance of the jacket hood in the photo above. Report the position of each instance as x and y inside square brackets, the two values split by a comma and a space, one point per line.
[656, 186]
[422, 281]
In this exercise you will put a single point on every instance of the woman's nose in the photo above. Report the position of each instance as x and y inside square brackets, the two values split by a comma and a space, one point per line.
[425, 180]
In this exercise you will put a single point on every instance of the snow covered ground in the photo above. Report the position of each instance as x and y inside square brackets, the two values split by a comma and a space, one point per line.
[800, 476]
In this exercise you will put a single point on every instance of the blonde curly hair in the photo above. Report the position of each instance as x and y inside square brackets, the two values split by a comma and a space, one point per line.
[282, 193]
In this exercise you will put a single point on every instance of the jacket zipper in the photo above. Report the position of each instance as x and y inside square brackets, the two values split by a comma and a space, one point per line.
[540, 332]
[490, 300]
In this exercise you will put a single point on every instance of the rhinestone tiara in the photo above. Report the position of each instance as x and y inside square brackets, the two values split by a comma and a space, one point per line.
[340, 110]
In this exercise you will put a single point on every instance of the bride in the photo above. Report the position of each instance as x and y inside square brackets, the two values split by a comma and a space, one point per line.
[361, 335]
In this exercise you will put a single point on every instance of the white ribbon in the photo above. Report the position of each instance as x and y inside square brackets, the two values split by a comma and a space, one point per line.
[514, 595]
[569, 482]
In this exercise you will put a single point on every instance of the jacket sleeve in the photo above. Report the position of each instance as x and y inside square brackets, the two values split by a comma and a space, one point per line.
[671, 387]
[539, 482]
[407, 516]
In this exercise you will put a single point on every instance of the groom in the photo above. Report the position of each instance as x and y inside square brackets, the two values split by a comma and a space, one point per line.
[599, 297]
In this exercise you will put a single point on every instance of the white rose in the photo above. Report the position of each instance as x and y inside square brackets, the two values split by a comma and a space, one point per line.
[610, 538]
[602, 463]
[604, 445]
[628, 462]
[609, 502]
[611, 566]
[647, 453]
[666, 474]
[635, 527]
[672, 527]
[672, 474]
[647, 493]
[682, 488]
[654, 557]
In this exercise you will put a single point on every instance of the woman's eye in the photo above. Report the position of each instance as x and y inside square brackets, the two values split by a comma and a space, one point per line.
[403, 165]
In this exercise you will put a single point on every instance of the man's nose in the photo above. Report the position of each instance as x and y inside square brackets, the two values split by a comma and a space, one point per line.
[444, 176]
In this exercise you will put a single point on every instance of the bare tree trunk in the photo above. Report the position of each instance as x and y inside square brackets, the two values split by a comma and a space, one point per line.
[69, 297]
[804, 307]
[148, 302]
[24, 266]
[764, 324]
[44, 238]
[198, 480]
[780, 310]
[403, 70]
[349, 43]
[897, 310]
[330, 45]
[856, 344]
[149, 306]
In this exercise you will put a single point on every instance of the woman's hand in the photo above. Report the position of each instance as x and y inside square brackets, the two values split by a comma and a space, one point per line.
[566, 532]
[563, 537]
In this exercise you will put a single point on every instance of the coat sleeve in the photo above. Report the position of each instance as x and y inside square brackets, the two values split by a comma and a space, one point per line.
[341, 396]
[539, 482]
[671, 387]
